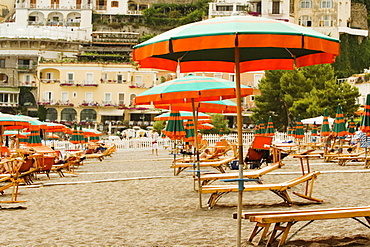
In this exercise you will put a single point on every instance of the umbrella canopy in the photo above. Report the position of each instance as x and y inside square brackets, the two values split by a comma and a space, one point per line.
[175, 127]
[351, 127]
[314, 129]
[365, 120]
[317, 120]
[270, 131]
[76, 137]
[190, 88]
[218, 106]
[181, 115]
[339, 123]
[264, 44]
[299, 131]
[325, 128]
[256, 130]
[34, 138]
[290, 130]
[262, 128]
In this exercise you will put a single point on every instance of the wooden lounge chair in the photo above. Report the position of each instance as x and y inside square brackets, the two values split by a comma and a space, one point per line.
[100, 156]
[265, 219]
[69, 164]
[218, 165]
[209, 178]
[280, 189]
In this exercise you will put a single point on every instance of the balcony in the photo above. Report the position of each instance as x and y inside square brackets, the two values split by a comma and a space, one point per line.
[50, 80]
[68, 83]
[26, 68]
[88, 104]
[87, 84]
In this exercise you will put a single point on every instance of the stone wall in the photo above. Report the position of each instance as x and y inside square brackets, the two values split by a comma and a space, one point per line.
[359, 16]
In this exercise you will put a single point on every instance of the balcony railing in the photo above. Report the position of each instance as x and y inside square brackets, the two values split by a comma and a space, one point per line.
[50, 80]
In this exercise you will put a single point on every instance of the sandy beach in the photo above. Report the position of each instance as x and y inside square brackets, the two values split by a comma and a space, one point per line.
[133, 199]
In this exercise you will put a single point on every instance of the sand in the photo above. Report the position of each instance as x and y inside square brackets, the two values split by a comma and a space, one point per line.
[133, 199]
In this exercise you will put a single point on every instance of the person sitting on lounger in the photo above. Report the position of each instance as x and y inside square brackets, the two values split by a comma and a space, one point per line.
[206, 154]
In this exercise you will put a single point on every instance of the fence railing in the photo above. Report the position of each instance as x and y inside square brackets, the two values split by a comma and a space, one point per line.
[145, 143]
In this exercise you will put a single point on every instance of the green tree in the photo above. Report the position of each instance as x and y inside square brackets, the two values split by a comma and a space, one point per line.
[41, 113]
[218, 122]
[306, 92]
[158, 126]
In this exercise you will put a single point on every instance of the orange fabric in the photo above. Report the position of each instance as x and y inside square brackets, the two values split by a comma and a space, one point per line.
[151, 50]
[328, 46]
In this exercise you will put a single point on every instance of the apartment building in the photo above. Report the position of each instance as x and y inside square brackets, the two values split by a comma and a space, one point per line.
[94, 92]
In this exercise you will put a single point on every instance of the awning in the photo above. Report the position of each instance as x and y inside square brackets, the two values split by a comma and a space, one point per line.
[111, 112]
[9, 90]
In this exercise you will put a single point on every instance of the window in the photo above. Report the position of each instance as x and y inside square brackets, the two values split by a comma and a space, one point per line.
[121, 98]
[139, 80]
[115, 4]
[88, 97]
[48, 96]
[119, 78]
[326, 21]
[251, 98]
[27, 78]
[218, 75]
[326, 4]
[232, 77]
[49, 75]
[305, 21]
[70, 77]
[31, 18]
[107, 98]
[24, 64]
[305, 4]
[2, 63]
[64, 97]
[257, 78]
[224, 8]
[89, 78]
[74, 95]
[275, 7]
[132, 97]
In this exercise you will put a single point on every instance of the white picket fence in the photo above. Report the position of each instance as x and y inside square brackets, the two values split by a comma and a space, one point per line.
[145, 143]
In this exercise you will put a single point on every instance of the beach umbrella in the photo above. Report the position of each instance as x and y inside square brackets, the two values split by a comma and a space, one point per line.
[34, 138]
[270, 131]
[175, 129]
[189, 128]
[351, 127]
[325, 128]
[183, 115]
[314, 130]
[299, 131]
[217, 106]
[236, 44]
[221, 133]
[256, 130]
[365, 121]
[208, 126]
[261, 129]
[76, 137]
[290, 130]
[339, 123]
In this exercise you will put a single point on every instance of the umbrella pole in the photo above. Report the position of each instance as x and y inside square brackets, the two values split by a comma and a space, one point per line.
[240, 144]
[195, 116]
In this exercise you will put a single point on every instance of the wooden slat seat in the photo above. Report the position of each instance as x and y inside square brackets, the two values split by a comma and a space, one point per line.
[280, 189]
[218, 165]
[209, 178]
[289, 218]
[100, 156]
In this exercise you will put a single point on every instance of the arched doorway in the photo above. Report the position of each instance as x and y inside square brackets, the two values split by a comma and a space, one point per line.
[88, 115]
[51, 114]
[68, 115]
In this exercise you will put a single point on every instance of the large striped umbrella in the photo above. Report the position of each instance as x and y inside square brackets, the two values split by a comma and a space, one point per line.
[351, 127]
[325, 128]
[339, 123]
[236, 44]
[175, 127]
[299, 131]
[290, 130]
[270, 130]
[217, 106]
